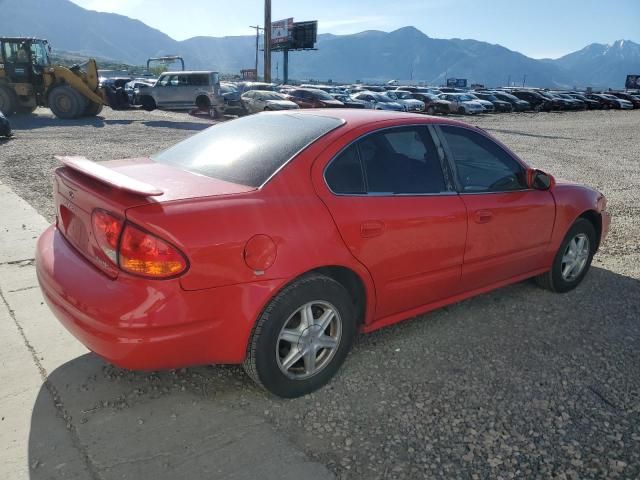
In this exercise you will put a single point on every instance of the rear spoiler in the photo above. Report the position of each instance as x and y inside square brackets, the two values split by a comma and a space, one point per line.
[109, 176]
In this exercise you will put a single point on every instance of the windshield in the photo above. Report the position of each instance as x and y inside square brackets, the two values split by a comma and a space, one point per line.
[249, 150]
[271, 96]
[403, 95]
[466, 98]
[508, 95]
[321, 95]
[381, 98]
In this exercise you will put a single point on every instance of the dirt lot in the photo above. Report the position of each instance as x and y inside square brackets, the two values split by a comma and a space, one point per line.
[517, 383]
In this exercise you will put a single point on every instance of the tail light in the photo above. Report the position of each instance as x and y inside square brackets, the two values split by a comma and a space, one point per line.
[134, 250]
[107, 229]
[144, 254]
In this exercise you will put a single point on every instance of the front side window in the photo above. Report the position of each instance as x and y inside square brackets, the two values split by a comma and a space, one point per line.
[394, 161]
[481, 164]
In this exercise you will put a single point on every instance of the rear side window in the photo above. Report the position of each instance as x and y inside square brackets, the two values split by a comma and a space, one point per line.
[394, 161]
[247, 151]
[345, 175]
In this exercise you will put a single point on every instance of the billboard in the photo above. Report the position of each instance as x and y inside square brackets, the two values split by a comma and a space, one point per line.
[305, 34]
[281, 32]
[633, 82]
[457, 82]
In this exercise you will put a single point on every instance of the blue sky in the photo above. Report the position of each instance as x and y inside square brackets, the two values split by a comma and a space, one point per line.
[542, 28]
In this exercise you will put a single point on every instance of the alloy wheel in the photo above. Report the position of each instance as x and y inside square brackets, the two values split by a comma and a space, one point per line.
[575, 257]
[308, 340]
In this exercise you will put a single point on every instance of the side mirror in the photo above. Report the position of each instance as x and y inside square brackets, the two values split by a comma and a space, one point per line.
[539, 180]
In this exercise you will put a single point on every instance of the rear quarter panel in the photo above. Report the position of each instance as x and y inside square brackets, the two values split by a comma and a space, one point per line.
[213, 231]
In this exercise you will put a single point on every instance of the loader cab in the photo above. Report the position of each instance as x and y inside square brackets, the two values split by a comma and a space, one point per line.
[23, 60]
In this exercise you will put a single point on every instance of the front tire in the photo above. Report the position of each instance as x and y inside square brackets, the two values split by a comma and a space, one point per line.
[573, 259]
[302, 337]
[66, 103]
[8, 101]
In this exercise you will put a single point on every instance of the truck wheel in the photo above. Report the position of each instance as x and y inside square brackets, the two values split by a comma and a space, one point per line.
[66, 103]
[148, 103]
[8, 101]
[92, 109]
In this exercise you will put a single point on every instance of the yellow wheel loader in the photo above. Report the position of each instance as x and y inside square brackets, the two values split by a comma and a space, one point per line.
[29, 80]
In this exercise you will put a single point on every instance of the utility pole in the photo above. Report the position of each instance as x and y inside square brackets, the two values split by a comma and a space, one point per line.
[258, 28]
[509, 81]
[267, 41]
[524, 79]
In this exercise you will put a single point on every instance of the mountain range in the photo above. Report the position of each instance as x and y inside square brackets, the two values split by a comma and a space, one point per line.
[370, 56]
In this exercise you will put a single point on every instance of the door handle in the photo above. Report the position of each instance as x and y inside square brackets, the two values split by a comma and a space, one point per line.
[371, 228]
[483, 216]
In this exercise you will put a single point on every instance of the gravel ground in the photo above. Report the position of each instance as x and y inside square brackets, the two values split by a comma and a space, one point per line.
[518, 383]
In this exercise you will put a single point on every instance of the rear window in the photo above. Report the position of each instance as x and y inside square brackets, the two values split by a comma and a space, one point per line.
[247, 151]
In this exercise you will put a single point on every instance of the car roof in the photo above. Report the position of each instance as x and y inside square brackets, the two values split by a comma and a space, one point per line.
[188, 72]
[361, 117]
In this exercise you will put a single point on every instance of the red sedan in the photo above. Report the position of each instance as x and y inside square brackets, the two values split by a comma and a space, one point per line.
[273, 239]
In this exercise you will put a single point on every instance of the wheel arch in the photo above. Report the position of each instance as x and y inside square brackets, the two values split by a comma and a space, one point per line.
[595, 219]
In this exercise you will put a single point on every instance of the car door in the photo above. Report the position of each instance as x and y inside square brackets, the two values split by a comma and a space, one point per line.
[509, 224]
[398, 215]
[161, 90]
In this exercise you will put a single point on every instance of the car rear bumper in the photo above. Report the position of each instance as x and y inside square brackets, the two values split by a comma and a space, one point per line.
[145, 324]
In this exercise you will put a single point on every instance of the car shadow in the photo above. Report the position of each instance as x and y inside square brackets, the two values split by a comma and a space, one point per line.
[168, 424]
[30, 122]
[176, 125]
[524, 134]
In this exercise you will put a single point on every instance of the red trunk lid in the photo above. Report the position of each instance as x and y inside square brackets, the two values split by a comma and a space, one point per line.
[82, 186]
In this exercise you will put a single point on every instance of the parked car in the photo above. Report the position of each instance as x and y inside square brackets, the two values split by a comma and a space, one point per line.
[518, 104]
[378, 101]
[609, 101]
[433, 103]
[185, 90]
[246, 86]
[348, 100]
[406, 99]
[5, 126]
[590, 104]
[629, 98]
[313, 98]
[260, 100]
[535, 99]
[462, 103]
[136, 87]
[571, 103]
[272, 239]
[499, 105]
[488, 106]
[368, 88]
[232, 99]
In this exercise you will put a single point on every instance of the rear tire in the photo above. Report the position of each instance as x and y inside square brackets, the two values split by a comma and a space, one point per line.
[66, 103]
[93, 109]
[148, 103]
[203, 103]
[562, 278]
[461, 110]
[290, 353]
[8, 101]
[431, 110]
